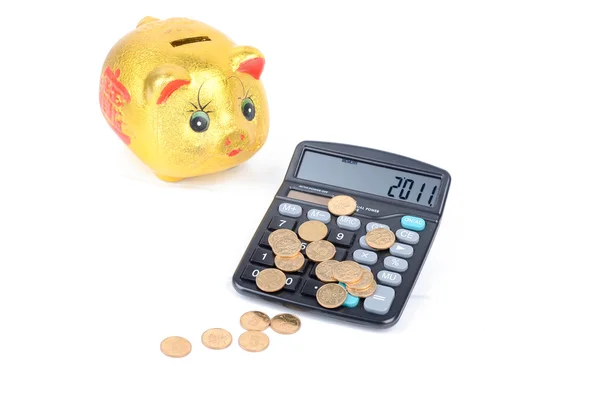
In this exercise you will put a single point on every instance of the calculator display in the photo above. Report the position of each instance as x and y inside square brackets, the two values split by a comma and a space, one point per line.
[368, 178]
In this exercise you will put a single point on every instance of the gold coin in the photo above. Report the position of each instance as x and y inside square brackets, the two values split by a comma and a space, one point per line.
[331, 295]
[216, 338]
[270, 280]
[285, 323]
[287, 247]
[312, 231]
[292, 264]
[319, 251]
[380, 238]
[347, 272]
[342, 205]
[253, 341]
[281, 234]
[363, 293]
[255, 321]
[324, 271]
[175, 346]
[364, 282]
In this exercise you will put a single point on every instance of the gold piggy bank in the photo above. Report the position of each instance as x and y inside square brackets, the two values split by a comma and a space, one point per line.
[184, 98]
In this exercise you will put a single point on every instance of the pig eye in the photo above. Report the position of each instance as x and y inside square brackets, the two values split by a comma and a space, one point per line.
[248, 109]
[199, 121]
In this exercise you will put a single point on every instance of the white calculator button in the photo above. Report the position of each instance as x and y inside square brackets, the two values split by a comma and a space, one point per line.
[319, 215]
[402, 250]
[365, 257]
[381, 301]
[375, 225]
[348, 222]
[395, 264]
[288, 209]
[406, 236]
[389, 278]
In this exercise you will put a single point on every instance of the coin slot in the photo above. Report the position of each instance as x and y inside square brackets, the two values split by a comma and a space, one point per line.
[189, 40]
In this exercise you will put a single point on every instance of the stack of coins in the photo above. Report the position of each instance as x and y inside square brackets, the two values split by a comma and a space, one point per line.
[253, 340]
[355, 280]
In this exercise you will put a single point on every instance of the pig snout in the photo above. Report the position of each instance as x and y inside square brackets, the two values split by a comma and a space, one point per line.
[235, 142]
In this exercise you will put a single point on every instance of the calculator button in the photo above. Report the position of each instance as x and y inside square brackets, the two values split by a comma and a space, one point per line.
[412, 223]
[264, 240]
[406, 236]
[401, 250]
[381, 301]
[340, 254]
[263, 257]
[250, 272]
[395, 264]
[287, 209]
[280, 222]
[375, 225]
[291, 283]
[319, 215]
[363, 244]
[389, 278]
[365, 257]
[348, 222]
[311, 287]
[339, 237]
[351, 300]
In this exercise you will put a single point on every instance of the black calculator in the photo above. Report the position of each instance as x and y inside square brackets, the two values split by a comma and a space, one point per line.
[394, 192]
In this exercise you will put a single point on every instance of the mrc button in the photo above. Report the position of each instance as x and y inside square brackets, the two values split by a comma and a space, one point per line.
[412, 223]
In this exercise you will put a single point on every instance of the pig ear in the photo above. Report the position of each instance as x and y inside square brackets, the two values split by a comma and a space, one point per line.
[245, 59]
[146, 20]
[164, 81]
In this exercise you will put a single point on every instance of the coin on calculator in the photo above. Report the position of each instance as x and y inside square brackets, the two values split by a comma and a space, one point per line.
[363, 282]
[287, 247]
[331, 295]
[312, 231]
[292, 264]
[341, 205]
[281, 234]
[380, 238]
[319, 251]
[347, 272]
[324, 271]
[270, 280]
[363, 293]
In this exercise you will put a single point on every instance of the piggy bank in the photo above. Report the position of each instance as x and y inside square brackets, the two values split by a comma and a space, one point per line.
[184, 98]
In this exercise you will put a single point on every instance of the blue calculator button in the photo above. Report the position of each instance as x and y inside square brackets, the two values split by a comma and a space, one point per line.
[351, 300]
[412, 223]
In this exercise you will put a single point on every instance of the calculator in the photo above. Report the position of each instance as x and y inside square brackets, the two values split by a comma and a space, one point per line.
[398, 193]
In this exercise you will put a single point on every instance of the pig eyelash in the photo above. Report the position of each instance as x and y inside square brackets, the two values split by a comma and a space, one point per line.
[246, 95]
[241, 82]
[199, 104]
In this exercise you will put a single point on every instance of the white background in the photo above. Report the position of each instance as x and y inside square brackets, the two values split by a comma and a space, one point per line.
[100, 260]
